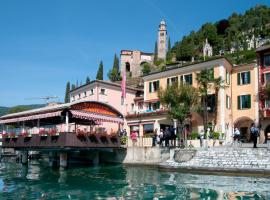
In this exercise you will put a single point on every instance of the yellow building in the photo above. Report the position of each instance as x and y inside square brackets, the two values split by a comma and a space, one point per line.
[237, 101]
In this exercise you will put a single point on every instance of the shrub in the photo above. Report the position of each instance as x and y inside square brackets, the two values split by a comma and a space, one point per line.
[193, 136]
[216, 135]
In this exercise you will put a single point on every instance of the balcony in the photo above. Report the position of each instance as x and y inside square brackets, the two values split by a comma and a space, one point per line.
[60, 141]
[147, 113]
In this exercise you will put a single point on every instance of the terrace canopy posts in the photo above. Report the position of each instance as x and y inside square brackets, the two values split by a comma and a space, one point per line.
[79, 117]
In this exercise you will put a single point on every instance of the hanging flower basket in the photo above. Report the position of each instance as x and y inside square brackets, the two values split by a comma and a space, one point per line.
[25, 134]
[13, 135]
[53, 132]
[43, 133]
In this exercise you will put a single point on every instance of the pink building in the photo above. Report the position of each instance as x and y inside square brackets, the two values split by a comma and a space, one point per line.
[109, 93]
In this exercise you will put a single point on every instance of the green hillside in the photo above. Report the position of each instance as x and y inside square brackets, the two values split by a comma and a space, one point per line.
[19, 108]
[230, 36]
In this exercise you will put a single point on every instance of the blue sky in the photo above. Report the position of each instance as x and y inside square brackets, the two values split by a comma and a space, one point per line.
[44, 44]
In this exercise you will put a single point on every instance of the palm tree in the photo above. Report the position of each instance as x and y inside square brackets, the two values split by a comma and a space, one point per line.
[218, 83]
[207, 82]
[180, 100]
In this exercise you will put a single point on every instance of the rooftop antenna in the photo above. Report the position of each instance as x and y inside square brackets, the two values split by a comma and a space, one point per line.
[46, 98]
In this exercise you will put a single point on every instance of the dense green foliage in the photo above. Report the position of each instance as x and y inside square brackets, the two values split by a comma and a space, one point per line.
[114, 73]
[3, 110]
[225, 35]
[9, 110]
[67, 100]
[100, 71]
[180, 100]
[146, 68]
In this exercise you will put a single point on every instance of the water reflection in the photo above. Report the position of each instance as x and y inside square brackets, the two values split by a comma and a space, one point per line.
[117, 182]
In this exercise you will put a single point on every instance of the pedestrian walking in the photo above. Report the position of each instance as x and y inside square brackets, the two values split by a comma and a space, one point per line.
[167, 135]
[254, 133]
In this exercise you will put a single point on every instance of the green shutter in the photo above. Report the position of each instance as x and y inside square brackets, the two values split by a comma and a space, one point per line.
[168, 82]
[238, 78]
[191, 81]
[158, 105]
[249, 101]
[181, 79]
[239, 102]
[150, 87]
[157, 85]
[248, 77]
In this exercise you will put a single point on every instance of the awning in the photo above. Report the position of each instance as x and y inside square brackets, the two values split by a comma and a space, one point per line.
[96, 117]
[31, 117]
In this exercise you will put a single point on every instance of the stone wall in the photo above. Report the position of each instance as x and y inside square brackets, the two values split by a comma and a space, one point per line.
[228, 159]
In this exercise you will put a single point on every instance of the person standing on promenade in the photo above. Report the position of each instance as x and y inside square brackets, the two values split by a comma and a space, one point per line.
[167, 135]
[254, 132]
[236, 135]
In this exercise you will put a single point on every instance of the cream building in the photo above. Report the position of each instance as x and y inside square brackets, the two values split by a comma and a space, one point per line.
[237, 101]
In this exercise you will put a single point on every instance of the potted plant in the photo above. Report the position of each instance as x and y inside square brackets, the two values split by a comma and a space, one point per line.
[43, 133]
[25, 134]
[215, 137]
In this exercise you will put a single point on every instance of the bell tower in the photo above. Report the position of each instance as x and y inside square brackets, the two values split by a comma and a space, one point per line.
[162, 40]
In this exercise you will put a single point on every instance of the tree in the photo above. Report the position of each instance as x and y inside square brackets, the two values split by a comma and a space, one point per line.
[206, 83]
[114, 74]
[156, 53]
[73, 86]
[169, 44]
[180, 100]
[87, 80]
[100, 71]
[169, 51]
[67, 99]
[218, 83]
[146, 69]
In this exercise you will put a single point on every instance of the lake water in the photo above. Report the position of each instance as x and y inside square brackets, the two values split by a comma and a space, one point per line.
[38, 181]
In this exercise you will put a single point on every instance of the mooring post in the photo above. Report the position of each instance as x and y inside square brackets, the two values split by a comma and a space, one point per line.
[24, 155]
[63, 160]
[52, 159]
[95, 158]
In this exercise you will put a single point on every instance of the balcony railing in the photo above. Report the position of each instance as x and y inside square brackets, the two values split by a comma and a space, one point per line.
[56, 140]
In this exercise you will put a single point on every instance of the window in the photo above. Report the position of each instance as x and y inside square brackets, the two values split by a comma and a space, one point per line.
[161, 34]
[228, 102]
[91, 91]
[134, 128]
[84, 94]
[153, 86]
[228, 77]
[267, 103]
[171, 81]
[244, 102]
[102, 91]
[211, 103]
[140, 105]
[153, 106]
[132, 107]
[148, 129]
[79, 96]
[266, 59]
[267, 77]
[186, 79]
[243, 78]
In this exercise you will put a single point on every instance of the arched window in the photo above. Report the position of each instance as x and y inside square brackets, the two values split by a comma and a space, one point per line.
[127, 67]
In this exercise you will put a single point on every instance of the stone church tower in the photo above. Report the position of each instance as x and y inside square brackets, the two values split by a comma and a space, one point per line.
[162, 40]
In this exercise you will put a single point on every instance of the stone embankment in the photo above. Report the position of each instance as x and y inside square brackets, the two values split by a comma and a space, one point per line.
[226, 159]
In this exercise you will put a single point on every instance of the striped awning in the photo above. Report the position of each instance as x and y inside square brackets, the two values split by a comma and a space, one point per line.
[31, 117]
[96, 117]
